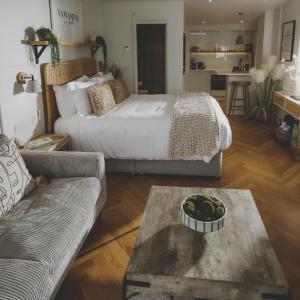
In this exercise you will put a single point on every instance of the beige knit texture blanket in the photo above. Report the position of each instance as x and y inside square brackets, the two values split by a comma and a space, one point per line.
[194, 132]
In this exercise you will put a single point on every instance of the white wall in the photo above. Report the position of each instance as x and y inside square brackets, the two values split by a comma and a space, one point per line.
[259, 40]
[264, 41]
[276, 33]
[20, 111]
[119, 20]
[291, 12]
[286, 13]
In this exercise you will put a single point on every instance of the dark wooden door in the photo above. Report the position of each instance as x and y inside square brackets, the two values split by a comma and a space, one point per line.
[151, 51]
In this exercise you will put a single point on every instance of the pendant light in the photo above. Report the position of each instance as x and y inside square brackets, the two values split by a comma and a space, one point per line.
[240, 39]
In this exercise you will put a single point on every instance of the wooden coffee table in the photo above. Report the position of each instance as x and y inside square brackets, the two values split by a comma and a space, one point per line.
[171, 261]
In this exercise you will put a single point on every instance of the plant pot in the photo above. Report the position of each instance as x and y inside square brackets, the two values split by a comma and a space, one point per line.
[43, 36]
[30, 34]
[265, 119]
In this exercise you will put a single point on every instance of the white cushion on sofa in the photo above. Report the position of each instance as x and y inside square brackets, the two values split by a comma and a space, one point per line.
[15, 180]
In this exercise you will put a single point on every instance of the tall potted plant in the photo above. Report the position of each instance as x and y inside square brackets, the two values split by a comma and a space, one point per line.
[45, 34]
[266, 81]
[115, 69]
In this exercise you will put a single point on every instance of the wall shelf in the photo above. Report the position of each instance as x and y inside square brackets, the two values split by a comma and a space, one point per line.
[226, 52]
[40, 46]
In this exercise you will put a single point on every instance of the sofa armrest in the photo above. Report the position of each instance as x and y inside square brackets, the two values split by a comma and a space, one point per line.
[59, 164]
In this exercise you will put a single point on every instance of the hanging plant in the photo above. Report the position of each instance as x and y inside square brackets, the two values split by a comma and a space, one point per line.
[45, 34]
[100, 41]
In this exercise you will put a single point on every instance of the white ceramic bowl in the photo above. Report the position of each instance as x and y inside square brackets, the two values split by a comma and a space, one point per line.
[202, 226]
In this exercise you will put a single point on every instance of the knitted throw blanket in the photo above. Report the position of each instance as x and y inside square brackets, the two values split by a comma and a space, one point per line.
[194, 132]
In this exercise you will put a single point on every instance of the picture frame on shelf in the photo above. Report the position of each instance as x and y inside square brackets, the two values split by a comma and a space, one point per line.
[287, 40]
[66, 19]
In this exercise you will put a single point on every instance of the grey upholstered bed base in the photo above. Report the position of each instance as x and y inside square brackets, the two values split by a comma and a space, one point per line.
[178, 167]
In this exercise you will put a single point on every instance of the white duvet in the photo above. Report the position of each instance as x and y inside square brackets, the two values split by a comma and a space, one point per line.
[136, 129]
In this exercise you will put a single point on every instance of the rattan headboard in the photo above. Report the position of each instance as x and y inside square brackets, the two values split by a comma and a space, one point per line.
[65, 72]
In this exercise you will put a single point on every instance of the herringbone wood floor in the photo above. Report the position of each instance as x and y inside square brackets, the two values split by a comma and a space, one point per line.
[255, 161]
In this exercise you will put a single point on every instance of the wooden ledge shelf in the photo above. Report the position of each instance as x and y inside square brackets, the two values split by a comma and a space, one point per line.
[40, 46]
[225, 52]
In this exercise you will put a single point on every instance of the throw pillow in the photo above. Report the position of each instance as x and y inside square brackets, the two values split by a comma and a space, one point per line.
[102, 98]
[15, 180]
[119, 89]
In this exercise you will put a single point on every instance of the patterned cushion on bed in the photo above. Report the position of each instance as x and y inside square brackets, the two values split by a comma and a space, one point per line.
[119, 89]
[15, 180]
[102, 98]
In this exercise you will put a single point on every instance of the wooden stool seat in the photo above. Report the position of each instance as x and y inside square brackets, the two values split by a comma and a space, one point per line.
[233, 101]
[241, 83]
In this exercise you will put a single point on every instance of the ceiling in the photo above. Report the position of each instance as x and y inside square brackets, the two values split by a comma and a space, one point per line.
[225, 12]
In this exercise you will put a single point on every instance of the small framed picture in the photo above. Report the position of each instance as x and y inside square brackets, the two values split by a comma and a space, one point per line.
[287, 40]
[66, 19]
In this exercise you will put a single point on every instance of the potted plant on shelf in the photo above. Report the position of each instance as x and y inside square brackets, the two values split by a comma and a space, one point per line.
[30, 33]
[266, 81]
[45, 34]
[115, 69]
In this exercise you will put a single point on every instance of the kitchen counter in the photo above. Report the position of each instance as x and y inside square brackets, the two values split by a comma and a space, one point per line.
[200, 81]
[241, 73]
[222, 72]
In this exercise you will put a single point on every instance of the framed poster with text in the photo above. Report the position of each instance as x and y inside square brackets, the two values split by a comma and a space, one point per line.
[287, 40]
[66, 19]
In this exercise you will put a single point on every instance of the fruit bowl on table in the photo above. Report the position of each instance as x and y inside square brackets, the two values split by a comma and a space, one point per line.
[203, 213]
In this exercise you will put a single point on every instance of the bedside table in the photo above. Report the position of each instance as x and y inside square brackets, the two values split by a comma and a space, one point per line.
[62, 142]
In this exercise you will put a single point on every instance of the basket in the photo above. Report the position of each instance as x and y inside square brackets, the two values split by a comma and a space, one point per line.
[283, 136]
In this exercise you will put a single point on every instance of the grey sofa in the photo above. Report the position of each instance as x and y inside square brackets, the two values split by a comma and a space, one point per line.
[43, 233]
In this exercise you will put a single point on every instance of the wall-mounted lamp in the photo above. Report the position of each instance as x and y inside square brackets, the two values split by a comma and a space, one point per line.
[33, 85]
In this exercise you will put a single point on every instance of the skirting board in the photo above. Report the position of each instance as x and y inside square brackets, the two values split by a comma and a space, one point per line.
[174, 167]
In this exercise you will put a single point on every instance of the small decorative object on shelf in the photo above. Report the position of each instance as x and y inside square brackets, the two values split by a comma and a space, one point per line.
[30, 33]
[203, 213]
[50, 142]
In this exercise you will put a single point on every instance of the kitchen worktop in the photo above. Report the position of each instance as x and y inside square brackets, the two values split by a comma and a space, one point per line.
[225, 72]
[230, 73]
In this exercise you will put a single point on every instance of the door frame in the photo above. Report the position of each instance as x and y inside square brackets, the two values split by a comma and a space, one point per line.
[135, 58]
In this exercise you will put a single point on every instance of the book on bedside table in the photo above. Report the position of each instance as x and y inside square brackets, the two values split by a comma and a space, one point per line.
[40, 143]
[50, 142]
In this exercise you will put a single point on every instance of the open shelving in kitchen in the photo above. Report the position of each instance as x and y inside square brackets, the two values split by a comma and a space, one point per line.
[40, 46]
[226, 52]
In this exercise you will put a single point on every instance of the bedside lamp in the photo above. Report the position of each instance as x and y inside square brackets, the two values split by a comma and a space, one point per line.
[33, 85]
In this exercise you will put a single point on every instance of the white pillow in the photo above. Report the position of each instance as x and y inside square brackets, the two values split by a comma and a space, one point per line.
[82, 100]
[105, 77]
[64, 100]
[79, 85]
[65, 106]
[16, 182]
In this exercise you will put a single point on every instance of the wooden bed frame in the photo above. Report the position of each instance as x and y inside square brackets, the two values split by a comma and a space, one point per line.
[65, 72]
[70, 70]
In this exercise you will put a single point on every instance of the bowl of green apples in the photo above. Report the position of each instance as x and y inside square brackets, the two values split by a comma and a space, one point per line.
[203, 213]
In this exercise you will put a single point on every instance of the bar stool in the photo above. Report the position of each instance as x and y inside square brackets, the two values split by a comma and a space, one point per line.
[233, 102]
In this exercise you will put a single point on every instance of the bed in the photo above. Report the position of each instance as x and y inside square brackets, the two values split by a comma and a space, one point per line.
[133, 137]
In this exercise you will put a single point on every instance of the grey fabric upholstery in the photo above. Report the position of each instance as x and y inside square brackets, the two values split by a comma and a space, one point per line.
[43, 233]
[174, 167]
[31, 280]
[64, 164]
